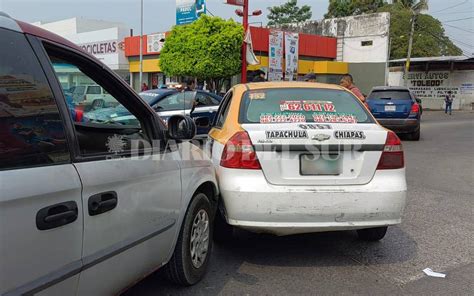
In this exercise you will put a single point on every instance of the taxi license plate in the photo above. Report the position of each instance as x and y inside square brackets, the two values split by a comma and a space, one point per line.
[390, 108]
[327, 164]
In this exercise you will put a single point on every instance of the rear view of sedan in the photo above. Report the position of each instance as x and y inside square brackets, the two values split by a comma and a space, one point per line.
[305, 157]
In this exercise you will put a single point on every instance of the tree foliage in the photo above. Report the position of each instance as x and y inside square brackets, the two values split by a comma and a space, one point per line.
[288, 12]
[429, 38]
[208, 49]
[341, 8]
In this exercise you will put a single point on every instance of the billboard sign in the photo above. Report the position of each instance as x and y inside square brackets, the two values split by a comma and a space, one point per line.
[187, 11]
[275, 60]
[154, 42]
[291, 59]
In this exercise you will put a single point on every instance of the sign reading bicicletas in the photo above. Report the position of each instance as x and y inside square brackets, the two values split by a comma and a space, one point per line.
[234, 2]
[187, 11]
[101, 47]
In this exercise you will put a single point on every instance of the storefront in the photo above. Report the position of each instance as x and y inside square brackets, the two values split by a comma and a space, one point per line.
[431, 78]
[102, 39]
[315, 54]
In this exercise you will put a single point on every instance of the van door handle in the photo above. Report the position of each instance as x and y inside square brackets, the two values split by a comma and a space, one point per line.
[102, 202]
[56, 215]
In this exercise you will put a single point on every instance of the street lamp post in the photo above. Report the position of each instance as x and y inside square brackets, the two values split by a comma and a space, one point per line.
[141, 45]
[245, 23]
[244, 13]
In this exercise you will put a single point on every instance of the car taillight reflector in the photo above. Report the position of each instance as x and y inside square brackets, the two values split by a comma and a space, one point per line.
[392, 155]
[415, 108]
[239, 153]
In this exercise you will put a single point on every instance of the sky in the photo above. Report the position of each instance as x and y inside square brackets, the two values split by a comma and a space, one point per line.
[159, 15]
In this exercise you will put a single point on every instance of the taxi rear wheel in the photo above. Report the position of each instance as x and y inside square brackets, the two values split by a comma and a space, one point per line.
[372, 234]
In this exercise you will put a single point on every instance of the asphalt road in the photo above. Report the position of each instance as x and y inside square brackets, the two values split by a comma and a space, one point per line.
[437, 232]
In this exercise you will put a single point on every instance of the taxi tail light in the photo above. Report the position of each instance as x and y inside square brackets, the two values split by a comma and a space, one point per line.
[392, 155]
[239, 153]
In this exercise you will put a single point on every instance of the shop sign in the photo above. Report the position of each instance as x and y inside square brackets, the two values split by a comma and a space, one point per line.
[101, 47]
[431, 85]
[155, 42]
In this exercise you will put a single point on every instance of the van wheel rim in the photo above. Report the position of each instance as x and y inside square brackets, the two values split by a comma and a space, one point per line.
[199, 242]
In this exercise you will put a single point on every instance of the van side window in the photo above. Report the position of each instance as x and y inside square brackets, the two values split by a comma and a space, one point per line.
[224, 110]
[103, 126]
[31, 129]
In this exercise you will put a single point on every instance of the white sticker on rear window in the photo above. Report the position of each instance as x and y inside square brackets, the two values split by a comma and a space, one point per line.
[257, 96]
[282, 117]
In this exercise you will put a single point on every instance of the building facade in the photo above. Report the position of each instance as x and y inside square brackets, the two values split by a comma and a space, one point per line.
[102, 39]
[431, 78]
[363, 41]
[315, 54]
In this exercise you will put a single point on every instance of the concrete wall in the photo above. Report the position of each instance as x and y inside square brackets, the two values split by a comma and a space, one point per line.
[367, 75]
[432, 86]
[368, 62]
[351, 31]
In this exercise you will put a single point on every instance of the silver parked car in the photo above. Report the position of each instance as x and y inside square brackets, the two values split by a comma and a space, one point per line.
[88, 208]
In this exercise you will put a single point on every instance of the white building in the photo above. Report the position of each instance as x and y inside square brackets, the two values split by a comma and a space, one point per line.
[363, 41]
[430, 79]
[103, 39]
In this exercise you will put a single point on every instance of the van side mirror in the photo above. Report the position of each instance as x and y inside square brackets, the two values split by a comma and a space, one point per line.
[181, 127]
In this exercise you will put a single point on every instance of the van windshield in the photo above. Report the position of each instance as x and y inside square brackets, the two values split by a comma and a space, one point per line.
[302, 105]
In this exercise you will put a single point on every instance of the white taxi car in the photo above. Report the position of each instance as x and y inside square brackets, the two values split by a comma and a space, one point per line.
[298, 157]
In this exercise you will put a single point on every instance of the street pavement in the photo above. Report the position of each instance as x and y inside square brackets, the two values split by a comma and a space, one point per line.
[437, 232]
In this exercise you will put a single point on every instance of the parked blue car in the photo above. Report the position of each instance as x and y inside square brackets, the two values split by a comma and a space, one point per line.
[168, 102]
[397, 109]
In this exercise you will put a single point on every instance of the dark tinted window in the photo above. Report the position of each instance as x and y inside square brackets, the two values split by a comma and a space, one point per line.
[224, 110]
[177, 101]
[285, 105]
[31, 130]
[389, 95]
[203, 100]
[93, 90]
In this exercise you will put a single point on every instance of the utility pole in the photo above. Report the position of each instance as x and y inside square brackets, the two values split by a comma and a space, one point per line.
[141, 45]
[245, 23]
[410, 43]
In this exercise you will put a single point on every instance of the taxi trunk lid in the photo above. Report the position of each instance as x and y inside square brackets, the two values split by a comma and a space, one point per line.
[317, 154]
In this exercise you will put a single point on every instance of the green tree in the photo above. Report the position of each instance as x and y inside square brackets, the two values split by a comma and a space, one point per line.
[288, 13]
[341, 8]
[208, 49]
[429, 38]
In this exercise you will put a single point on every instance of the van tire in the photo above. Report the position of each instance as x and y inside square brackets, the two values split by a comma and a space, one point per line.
[181, 269]
[372, 234]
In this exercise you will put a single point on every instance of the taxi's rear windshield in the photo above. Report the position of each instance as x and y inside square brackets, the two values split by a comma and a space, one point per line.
[302, 105]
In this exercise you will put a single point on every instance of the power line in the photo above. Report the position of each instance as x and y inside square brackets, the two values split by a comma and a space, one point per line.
[462, 29]
[450, 21]
[458, 12]
[449, 7]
